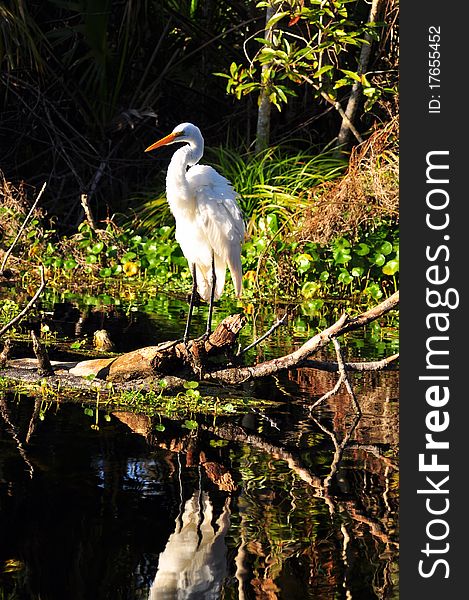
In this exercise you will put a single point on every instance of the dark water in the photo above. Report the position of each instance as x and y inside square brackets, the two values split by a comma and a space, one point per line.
[277, 504]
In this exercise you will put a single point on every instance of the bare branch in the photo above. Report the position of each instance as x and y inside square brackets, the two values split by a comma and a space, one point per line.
[386, 364]
[44, 367]
[293, 360]
[88, 213]
[28, 307]
[21, 229]
[266, 335]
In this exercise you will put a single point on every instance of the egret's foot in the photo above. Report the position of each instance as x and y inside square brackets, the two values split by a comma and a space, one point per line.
[204, 337]
[175, 342]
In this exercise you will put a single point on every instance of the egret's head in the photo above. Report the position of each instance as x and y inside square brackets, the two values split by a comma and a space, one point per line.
[184, 132]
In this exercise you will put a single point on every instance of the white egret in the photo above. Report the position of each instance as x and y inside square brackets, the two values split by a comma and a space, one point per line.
[209, 224]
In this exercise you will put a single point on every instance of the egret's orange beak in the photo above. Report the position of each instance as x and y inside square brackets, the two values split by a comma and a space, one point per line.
[166, 140]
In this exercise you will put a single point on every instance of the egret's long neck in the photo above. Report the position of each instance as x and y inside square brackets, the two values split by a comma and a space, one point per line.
[178, 192]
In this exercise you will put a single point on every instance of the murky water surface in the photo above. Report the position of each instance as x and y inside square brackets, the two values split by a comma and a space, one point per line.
[274, 504]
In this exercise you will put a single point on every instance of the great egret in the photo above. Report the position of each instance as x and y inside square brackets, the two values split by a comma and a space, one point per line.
[209, 223]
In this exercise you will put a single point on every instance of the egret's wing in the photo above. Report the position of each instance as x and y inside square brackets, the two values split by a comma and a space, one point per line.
[219, 215]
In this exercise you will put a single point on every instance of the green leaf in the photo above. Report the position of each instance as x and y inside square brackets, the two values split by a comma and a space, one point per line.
[341, 256]
[391, 267]
[324, 276]
[128, 257]
[275, 19]
[310, 289]
[191, 385]
[70, 263]
[345, 277]
[190, 424]
[57, 262]
[379, 259]
[352, 75]
[323, 70]
[386, 248]
[375, 291]
[97, 248]
[362, 249]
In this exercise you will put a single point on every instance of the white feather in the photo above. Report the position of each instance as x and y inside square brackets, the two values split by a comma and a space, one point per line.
[208, 217]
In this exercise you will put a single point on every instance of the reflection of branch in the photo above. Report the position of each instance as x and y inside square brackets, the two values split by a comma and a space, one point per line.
[343, 374]
[238, 434]
[375, 525]
[28, 307]
[343, 379]
[33, 420]
[321, 487]
[20, 230]
[339, 450]
[14, 434]
[372, 449]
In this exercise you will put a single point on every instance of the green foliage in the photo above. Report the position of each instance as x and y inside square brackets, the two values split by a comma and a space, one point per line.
[115, 252]
[276, 189]
[277, 179]
[9, 309]
[310, 43]
[310, 270]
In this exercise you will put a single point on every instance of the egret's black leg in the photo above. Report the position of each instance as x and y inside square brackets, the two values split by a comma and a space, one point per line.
[191, 303]
[208, 331]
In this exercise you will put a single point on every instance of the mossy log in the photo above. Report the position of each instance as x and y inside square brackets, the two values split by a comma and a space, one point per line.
[213, 360]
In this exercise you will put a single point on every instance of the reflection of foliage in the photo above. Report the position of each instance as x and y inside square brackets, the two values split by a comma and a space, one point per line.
[284, 523]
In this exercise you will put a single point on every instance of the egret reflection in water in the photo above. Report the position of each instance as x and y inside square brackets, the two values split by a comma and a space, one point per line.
[193, 563]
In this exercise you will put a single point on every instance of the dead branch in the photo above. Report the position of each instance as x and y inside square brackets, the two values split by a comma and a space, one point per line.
[4, 354]
[88, 213]
[176, 362]
[44, 368]
[28, 307]
[385, 364]
[271, 367]
[21, 229]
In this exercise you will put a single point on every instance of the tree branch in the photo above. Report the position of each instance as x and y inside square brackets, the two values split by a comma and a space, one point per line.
[28, 307]
[21, 229]
[271, 367]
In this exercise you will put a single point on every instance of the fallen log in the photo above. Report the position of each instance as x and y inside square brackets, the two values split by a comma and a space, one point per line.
[213, 359]
[167, 358]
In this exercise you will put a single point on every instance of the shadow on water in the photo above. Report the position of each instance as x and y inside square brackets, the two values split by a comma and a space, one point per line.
[277, 503]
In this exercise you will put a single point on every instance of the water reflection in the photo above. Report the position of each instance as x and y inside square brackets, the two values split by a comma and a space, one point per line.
[235, 510]
[193, 563]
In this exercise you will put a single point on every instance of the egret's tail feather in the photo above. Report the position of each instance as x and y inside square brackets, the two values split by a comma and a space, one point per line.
[204, 281]
[236, 274]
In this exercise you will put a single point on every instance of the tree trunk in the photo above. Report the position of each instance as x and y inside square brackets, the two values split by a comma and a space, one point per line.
[265, 107]
[345, 131]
